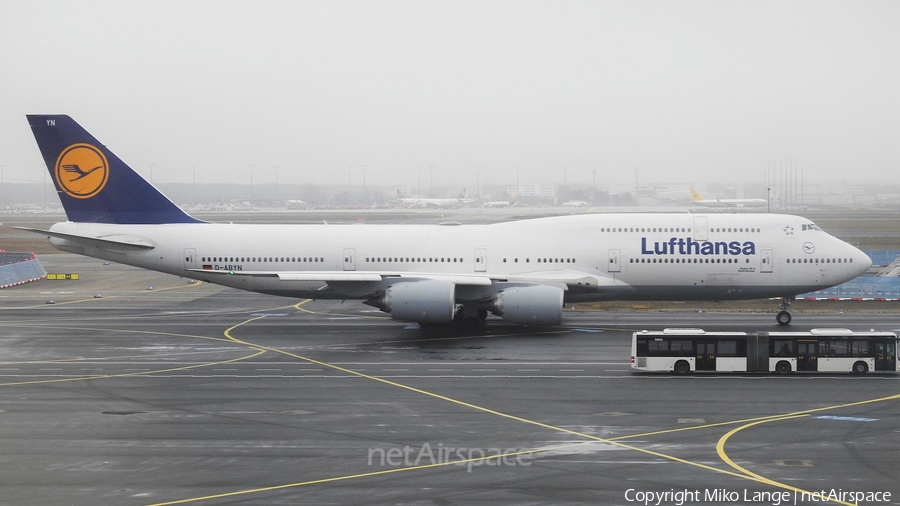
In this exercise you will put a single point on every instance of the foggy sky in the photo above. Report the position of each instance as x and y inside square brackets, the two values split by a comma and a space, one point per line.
[697, 92]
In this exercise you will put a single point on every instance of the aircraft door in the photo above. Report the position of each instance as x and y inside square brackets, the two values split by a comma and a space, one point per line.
[615, 261]
[480, 260]
[190, 258]
[706, 356]
[807, 358]
[349, 259]
[700, 228]
[765, 259]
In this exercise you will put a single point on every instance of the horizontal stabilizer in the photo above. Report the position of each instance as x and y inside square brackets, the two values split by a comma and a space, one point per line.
[111, 241]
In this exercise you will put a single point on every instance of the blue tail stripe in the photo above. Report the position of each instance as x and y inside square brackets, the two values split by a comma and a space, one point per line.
[123, 197]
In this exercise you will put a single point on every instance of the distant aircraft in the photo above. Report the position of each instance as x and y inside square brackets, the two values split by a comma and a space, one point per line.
[296, 204]
[700, 201]
[497, 203]
[435, 202]
[522, 271]
[575, 203]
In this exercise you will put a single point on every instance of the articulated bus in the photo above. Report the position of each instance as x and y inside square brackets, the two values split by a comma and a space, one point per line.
[819, 350]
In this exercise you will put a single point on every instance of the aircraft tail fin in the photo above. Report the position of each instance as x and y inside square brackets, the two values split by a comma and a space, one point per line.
[696, 196]
[94, 185]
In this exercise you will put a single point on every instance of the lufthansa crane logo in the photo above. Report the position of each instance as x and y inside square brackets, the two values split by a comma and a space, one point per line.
[81, 171]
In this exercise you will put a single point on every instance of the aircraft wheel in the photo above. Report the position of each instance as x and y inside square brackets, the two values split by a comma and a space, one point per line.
[783, 318]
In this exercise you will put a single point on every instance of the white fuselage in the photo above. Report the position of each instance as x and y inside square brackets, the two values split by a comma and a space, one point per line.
[592, 256]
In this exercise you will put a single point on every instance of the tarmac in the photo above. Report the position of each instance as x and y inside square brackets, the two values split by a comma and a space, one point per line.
[190, 393]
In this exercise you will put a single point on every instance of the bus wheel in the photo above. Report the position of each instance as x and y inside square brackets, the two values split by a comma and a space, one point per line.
[860, 368]
[682, 367]
[783, 318]
[783, 367]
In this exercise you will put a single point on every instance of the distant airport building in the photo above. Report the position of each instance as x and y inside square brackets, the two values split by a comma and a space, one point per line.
[541, 191]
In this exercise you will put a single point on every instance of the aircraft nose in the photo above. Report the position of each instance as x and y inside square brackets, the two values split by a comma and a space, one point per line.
[864, 261]
[861, 261]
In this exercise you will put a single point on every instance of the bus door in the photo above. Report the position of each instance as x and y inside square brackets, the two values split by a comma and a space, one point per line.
[807, 358]
[885, 356]
[706, 356]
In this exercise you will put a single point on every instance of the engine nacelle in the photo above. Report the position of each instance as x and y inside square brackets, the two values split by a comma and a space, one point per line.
[530, 305]
[428, 301]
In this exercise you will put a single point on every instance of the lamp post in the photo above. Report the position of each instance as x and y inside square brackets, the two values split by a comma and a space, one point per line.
[251, 185]
[769, 200]
[365, 200]
[276, 186]
[349, 186]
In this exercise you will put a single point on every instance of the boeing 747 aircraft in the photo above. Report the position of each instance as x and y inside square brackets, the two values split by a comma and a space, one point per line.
[523, 271]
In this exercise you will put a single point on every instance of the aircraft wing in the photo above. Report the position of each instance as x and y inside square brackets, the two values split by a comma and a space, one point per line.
[567, 277]
[355, 276]
[562, 277]
[112, 241]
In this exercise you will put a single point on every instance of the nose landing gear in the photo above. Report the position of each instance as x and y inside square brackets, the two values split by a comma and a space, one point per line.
[783, 317]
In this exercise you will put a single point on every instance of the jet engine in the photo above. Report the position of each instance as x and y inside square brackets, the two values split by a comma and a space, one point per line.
[428, 301]
[530, 305]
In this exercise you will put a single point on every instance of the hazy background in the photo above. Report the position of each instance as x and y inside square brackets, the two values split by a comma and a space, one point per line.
[461, 92]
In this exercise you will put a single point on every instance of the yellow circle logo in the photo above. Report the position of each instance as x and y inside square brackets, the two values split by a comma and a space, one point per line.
[81, 171]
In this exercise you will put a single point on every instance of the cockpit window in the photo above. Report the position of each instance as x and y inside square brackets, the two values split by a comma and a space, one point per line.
[811, 226]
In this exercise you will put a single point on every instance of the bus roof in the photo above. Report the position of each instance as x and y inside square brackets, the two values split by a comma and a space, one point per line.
[687, 332]
[823, 332]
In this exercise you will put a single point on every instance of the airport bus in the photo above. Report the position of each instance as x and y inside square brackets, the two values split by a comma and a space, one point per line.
[820, 350]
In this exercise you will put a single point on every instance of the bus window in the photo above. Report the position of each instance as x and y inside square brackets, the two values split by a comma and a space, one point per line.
[860, 349]
[642, 349]
[837, 348]
[782, 348]
[681, 348]
[657, 348]
[727, 348]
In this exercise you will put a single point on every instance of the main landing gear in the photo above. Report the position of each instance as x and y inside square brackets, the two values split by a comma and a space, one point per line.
[783, 317]
[470, 317]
